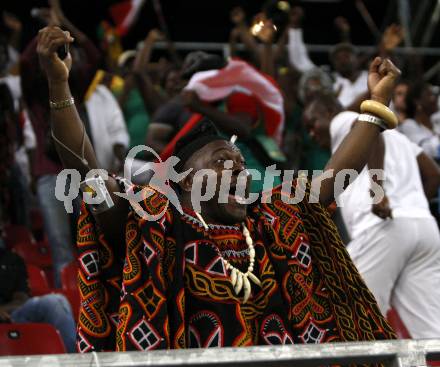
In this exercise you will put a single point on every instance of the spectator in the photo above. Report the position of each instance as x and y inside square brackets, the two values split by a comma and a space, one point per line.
[421, 104]
[395, 243]
[139, 97]
[237, 114]
[398, 103]
[196, 274]
[350, 81]
[14, 193]
[103, 121]
[16, 305]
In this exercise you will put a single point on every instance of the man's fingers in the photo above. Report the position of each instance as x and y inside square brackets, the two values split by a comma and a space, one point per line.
[67, 38]
[51, 38]
[383, 68]
[56, 43]
[393, 68]
[390, 70]
[51, 32]
[375, 64]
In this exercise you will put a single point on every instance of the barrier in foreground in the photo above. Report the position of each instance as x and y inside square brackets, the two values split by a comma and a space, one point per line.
[395, 353]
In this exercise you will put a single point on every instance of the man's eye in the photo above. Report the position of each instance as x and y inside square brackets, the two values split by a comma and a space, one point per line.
[220, 160]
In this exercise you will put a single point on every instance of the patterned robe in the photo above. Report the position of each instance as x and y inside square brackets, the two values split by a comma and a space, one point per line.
[167, 286]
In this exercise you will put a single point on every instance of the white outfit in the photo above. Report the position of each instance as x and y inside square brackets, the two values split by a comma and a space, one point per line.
[347, 90]
[296, 49]
[29, 143]
[398, 258]
[13, 83]
[107, 125]
[299, 58]
[422, 136]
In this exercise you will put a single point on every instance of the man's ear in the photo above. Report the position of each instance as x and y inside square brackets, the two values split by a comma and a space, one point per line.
[186, 183]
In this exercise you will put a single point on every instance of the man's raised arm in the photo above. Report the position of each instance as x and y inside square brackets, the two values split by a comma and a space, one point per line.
[355, 150]
[72, 142]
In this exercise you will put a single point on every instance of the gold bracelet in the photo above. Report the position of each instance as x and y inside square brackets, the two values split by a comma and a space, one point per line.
[380, 110]
[62, 104]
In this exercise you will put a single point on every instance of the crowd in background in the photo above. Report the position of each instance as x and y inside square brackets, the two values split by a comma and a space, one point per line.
[130, 97]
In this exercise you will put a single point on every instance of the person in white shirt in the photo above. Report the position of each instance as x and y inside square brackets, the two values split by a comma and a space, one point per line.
[108, 129]
[350, 83]
[421, 105]
[395, 244]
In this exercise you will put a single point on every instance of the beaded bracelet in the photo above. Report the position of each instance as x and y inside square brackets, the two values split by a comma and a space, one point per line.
[62, 104]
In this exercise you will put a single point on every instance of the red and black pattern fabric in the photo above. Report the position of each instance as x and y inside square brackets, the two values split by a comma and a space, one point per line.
[167, 286]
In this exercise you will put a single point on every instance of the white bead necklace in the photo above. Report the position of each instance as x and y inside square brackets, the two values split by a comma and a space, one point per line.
[239, 279]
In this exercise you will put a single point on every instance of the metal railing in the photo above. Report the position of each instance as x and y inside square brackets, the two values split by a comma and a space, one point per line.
[315, 48]
[395, 353]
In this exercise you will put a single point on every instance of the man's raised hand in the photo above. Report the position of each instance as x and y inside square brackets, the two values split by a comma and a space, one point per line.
[49, 40]
[382, 77]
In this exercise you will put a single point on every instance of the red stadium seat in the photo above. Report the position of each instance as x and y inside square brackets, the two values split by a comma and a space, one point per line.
[34, 253]
[74, 300]
[38, 283]
[15, 234]
[26, 339]
[397, 324]
[37, 223]
[69, 276]
[69, 284]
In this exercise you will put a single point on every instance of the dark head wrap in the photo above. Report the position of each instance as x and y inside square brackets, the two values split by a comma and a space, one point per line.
[203, 133]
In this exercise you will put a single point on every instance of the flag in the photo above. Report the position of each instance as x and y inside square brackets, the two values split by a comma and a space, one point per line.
[239, 76]
[125, 13]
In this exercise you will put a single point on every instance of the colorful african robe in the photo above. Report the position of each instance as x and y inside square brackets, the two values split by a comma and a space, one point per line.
[167, 286]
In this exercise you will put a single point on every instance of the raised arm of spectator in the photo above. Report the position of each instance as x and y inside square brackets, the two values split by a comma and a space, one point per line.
[355, 149]
[15, 26]
[344, 29]
[266, 35]
[69, 129]
[298, 55]
[139, 77]
[93, 54]
[79, 36]
[241, 33]
[391, 38]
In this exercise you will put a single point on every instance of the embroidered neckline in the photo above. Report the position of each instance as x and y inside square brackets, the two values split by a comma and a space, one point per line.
[190, 216]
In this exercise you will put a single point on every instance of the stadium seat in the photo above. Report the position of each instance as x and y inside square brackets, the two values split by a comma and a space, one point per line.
[69, 286]
[397, 324]
[69, 276]
[74, 300]
[34, 253]
[26, 339]
[15, 234]
[38, 284]
[37, 223]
